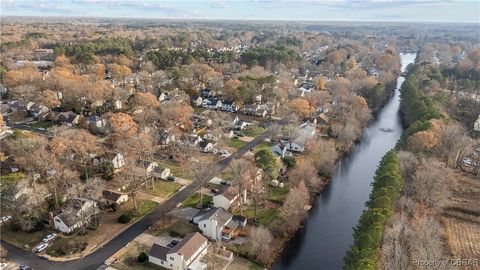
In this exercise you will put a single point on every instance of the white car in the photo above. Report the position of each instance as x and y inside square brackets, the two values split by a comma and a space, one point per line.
[49, 237]
[3, 266]
[41, 247]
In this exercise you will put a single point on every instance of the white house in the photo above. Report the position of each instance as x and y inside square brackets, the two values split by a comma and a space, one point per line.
[215, 223]
[96, 123]
[114, 197]
[117, 159]
[160, 172]
[476, 126]
[148, 166]
[185, 255]
[305, 133]
[197, 101]
[229, 106]
[166, 137]
[212, 103]
[228, 197]
[75, 216]
[207, 145]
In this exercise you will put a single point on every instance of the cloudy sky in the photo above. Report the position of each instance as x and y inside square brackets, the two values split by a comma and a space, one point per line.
[320, 10]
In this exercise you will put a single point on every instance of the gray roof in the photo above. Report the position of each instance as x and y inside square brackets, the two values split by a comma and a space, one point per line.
[218, 214]
[159, 252]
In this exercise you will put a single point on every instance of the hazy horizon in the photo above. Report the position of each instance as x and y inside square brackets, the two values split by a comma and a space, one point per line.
[448, 11]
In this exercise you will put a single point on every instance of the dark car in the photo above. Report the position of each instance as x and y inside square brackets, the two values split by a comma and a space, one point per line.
[214, 190]
[171, 178]
[173, 243]
[226, 183]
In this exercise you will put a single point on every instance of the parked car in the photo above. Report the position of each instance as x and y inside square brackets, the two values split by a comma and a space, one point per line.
[41, 247]
[41, 129]
[173, 243]
[214, 190]
[171, 178]
[49, 237]
[225, 183]
[3, 266]
[24, 267]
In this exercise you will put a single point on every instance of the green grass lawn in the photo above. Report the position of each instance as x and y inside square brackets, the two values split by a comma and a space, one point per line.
[236, 143]
[193, 200]
[164, 189]
[277, 194]
[177, 170]
[145, 207]
[265, 216]
[44, 125]
[253, 131]
[20, 239]
[66, 246]
[265, 144]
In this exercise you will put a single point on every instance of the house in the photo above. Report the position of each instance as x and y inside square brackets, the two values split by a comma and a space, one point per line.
[476, 125]
[229, 106]
[114, 197]
[256, 110]
[197, 101]
[36, 110]
[185, 255]
[78, 214]
[372, 71]
[306, 87]
[212, 103]
[226, 198]
[192, 139]
[166, 137]
[161, 173]
[162, 97]
[207, 93]
[68, 118]
[117, 159]
[323, 119]
[96, 123]
[215, 223]
[207, 145]
[281, 151]
[117, 104]
[148, 166]
[305, 133]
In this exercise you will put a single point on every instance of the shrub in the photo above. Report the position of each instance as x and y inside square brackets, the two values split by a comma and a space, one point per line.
[125, 218]
[290, 162]
[142, 257]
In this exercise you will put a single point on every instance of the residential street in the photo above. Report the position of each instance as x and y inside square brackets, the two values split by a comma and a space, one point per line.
[96, 259]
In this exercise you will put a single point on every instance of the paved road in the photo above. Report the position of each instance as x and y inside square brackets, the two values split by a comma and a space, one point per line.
[96, 259]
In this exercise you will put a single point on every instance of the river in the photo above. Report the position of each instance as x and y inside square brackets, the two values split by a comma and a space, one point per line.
[327, 235]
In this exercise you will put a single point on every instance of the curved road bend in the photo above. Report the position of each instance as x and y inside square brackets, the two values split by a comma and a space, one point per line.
[96, 259]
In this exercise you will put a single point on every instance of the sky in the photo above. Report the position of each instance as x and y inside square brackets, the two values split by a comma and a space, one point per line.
[320, 10]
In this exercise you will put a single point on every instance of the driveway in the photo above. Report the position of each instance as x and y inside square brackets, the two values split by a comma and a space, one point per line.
[186, 213]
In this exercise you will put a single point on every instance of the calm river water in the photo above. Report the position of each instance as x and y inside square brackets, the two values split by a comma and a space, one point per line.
[327, 235]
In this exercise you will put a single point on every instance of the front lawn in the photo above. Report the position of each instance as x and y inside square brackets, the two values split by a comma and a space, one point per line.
[253, 131]
[174, 228]
[164, 189]
[20, 239]
[145, 207]
[177, 170]
[67, 246]
[236, 143]
[193, 200]
[44, 125]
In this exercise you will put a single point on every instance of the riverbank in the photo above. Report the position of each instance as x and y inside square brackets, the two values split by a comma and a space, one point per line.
[326, 235]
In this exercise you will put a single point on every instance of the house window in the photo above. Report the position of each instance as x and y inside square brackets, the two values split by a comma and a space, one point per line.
[204, 225]
[171, 258]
